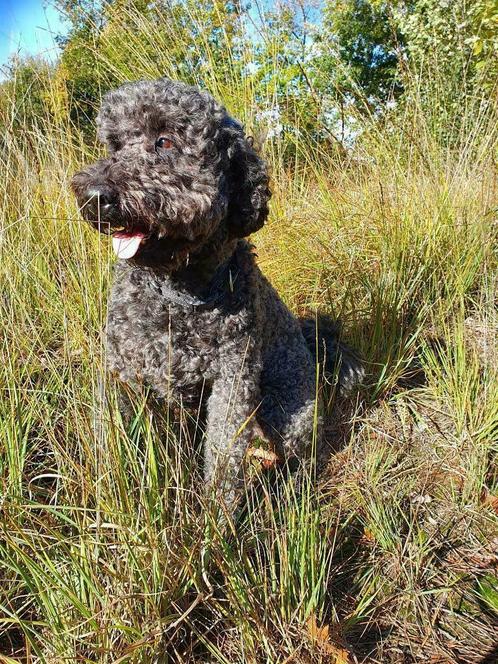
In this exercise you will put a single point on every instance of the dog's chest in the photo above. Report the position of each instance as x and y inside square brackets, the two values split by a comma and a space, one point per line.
[163, 342]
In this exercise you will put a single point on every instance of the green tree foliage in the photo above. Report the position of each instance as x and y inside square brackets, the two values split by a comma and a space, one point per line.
[451, 47]
[282, 69]
[112, 42]
[484, 37]
[361, 46]
[459, 36]
[367, 46]
[311, 67]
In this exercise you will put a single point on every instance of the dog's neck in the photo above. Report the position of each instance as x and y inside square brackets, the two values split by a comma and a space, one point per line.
[201, 267]
[202, 275]
[177, 258]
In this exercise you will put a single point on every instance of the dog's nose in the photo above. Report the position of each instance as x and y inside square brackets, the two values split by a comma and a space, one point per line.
[101, 201]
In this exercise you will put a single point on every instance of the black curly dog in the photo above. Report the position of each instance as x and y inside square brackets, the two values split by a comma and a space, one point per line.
[190, 312]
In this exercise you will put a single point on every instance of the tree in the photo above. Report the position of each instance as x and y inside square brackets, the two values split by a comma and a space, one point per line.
[360, 49]
[112, 42]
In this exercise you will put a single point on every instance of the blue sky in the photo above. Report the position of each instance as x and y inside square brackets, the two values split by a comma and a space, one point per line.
[28, 27]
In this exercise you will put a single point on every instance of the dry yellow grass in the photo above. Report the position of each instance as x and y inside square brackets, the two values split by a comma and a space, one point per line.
[107, 552]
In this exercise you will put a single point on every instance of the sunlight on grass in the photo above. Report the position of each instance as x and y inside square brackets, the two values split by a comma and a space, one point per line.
[109, 549]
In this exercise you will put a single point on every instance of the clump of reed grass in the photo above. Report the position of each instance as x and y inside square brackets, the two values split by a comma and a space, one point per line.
[109, 552]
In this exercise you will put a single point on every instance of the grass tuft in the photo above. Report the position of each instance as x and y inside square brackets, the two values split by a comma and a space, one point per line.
[109, 551]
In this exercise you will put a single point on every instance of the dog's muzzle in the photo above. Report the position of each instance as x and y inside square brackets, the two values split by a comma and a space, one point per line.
[99, 204]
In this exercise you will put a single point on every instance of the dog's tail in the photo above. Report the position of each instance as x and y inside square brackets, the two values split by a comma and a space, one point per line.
[339, 362]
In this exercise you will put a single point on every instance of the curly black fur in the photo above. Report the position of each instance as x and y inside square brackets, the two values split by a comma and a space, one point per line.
[191, 312]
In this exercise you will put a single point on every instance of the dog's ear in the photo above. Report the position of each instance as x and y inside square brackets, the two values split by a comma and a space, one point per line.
[248, 182]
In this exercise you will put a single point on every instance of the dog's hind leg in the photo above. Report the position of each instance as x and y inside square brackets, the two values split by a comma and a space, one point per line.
[288, 413]
[338, 361]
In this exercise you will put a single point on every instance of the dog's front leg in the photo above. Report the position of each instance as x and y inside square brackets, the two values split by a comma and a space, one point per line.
[231, 411]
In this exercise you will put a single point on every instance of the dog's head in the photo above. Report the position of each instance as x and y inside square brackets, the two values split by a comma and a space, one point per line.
[179, 171]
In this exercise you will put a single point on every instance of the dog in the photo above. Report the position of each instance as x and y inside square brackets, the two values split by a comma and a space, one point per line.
[190, 312]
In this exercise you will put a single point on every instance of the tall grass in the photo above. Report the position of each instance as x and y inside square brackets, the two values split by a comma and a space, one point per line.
[109, 552]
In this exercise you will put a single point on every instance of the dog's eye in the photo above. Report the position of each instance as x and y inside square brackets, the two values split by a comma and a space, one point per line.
[164, 143]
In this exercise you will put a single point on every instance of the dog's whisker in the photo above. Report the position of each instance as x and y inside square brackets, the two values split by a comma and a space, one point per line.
[46, 217]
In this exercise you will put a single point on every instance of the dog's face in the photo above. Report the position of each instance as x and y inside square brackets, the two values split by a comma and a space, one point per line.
[179, 171]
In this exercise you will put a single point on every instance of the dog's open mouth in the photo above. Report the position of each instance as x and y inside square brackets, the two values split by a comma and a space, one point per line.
[126, 243]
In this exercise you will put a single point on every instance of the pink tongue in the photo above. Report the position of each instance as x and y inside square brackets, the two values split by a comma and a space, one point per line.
[126, 244]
